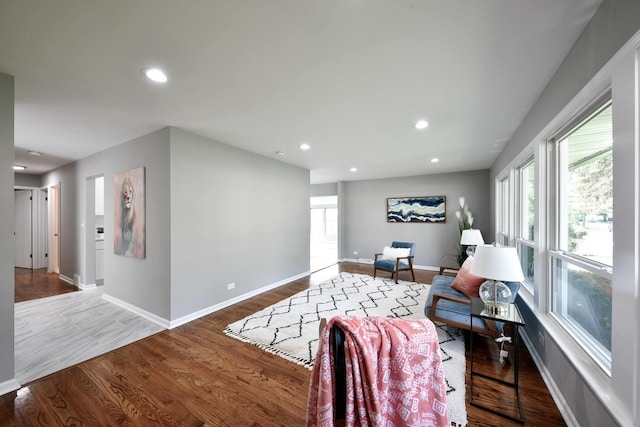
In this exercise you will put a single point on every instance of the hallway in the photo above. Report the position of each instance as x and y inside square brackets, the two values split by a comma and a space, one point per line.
[57, 326]
[35, 284]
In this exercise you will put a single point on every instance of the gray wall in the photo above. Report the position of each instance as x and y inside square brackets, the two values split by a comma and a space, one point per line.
[615, 22]
[71, 215]
[144, 283]
[330, 189]
[366, 230]
[7, 252]
[214, 215]
[235, 217]
[27, 180]
[612, 25]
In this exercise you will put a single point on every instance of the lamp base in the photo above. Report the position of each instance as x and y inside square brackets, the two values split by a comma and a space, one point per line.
[496, 296]
[496, 307]
[471, 250]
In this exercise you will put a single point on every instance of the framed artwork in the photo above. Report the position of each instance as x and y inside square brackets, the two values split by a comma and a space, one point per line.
[417, 209]
[129, 233]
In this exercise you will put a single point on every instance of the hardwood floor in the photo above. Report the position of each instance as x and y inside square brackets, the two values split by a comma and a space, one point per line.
[195, 375]
[35, 284]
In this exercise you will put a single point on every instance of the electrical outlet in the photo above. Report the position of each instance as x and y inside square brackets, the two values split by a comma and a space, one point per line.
[231, 286]
[355, 252]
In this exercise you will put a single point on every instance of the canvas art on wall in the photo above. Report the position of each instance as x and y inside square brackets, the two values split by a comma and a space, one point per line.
[416, 209]
[129, 215]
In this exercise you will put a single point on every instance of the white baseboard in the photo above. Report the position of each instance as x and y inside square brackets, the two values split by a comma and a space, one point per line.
[205, 311]
[170, 324]
[557, 396]
[64, 278]
[9, 386]
[77, 283]
[137, 310]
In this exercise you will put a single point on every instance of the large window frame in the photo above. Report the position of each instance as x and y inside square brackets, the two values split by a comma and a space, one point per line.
[567, 268]
[525, 220]
[503, 209]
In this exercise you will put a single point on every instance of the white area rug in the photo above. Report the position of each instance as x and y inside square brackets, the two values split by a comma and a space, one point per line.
[289, 328]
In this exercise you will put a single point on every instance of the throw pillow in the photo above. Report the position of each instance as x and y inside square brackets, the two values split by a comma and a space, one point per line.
[390, 254]
[466, 282]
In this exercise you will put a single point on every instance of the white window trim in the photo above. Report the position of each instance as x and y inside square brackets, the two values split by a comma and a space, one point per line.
[598, 381]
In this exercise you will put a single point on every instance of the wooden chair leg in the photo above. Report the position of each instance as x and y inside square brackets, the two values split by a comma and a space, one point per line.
[323, 324]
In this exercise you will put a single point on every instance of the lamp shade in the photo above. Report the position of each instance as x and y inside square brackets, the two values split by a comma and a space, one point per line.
[471, 237]
[497, 263]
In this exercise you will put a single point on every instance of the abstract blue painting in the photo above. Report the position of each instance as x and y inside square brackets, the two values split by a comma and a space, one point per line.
[417, 209]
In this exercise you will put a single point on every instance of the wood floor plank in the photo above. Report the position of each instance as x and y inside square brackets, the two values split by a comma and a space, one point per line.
[195, 375]
[35, 284]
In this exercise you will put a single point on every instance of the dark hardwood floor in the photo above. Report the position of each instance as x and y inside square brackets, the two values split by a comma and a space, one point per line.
[195, 375]
[35, 284]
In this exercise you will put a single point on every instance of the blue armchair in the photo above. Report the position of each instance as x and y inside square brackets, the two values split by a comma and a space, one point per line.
[399, 264]
[446, 304]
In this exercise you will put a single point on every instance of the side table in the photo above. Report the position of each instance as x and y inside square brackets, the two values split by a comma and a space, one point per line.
[511, 316]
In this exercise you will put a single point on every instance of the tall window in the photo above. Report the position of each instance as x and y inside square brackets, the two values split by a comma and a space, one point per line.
[581, 261]
[324, 231]
[526, 217]
[503, 212]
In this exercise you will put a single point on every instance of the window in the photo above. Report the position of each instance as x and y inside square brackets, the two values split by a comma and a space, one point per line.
[324, 231]
[526, 221]
[582, 245]
[503, 212]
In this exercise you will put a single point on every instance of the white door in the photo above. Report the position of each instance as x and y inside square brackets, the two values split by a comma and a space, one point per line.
[22, 230]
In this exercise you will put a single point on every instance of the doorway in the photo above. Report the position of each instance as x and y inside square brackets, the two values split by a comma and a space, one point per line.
[30, 227]
[22, 233]
[324, 232]
[34, 278]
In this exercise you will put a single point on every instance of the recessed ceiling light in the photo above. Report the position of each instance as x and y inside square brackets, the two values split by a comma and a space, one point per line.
[19, 168]
[34, 153]
[354, 169]
[421, 124]
[155, 74]
[435, 160]
[305, 146]
[280, 153]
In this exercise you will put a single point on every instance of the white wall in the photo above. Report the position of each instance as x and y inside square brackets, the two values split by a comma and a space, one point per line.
[365, 228]
[584, 390]
[7, 255]
[236, 217]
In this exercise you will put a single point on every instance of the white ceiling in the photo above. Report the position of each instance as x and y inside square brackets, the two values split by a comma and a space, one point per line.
[350, 77]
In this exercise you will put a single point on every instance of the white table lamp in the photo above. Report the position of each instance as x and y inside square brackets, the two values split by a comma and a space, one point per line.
[497, 264]
[471, 238]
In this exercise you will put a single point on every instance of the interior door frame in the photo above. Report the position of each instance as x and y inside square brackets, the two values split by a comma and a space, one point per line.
[23, 229]
[54, 228]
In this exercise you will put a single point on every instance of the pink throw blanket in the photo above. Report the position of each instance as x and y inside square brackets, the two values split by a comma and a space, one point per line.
[394, 375]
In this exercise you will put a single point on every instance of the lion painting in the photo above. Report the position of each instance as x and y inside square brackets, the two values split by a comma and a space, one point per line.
[129, 239]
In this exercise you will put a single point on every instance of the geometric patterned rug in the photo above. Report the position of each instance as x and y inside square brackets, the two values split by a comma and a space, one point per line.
[289, 328]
